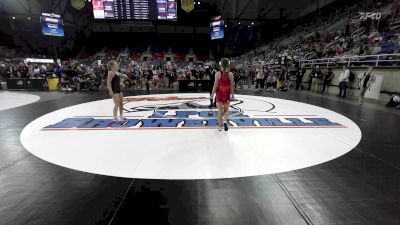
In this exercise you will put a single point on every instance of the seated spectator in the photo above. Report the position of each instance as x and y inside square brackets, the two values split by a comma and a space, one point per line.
[88, 82]
[366, 50]
[126, 82]
[272, 81]
[339, 50]
[206, 76]
[156, 81]
[373, 35]
[188, 75]
[66, 83]
[376, 48]
[394, 101]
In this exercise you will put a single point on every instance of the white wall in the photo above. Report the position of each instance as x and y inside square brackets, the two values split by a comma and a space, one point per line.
[391, 80]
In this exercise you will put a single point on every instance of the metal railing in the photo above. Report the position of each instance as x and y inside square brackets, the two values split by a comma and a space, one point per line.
[383, 60]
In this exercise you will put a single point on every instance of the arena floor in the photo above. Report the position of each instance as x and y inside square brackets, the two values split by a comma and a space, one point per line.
[349, 187]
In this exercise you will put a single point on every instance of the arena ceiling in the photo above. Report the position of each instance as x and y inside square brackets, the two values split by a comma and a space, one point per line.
[230, 9]
[24, 9]
[19, 17]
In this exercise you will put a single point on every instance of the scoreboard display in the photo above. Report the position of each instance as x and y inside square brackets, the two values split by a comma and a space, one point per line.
[135, 9]
[217, 26]
[52, 25]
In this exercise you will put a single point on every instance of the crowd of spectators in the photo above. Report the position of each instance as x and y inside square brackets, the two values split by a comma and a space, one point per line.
[269, 67]
[345, 34]
[84, 74]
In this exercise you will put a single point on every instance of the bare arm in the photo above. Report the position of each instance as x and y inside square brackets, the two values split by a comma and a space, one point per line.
[109, 78]
[231, 78]
[216, 83]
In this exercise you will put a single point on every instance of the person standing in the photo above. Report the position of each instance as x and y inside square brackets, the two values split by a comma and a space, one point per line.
[365, 83]
[223, 89]
[170, 76]
[352, 82]
[241, 78]
[114, 89]
[316, 75]
[283, 77]
[299, 78]
[235, 76]
[328, 77]
[97, 70]
[344, 81]
[149, 79]
[247, 77]
[260, 78]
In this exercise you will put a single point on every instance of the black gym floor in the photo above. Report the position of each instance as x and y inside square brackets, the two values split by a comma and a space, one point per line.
[361, 187]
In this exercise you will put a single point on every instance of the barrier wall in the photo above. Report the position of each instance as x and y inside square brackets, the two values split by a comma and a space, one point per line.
[390, 81]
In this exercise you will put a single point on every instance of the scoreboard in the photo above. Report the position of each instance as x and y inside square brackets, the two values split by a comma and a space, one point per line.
[52, 25]
[217, 28]
[135, 9]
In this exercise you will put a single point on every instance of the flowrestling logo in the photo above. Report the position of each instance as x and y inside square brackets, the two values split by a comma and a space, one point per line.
[192, 112]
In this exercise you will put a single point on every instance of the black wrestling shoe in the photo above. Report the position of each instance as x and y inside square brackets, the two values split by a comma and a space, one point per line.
[226, 128]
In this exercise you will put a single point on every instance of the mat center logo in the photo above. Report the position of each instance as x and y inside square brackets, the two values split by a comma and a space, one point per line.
[175, 136]
[192, 112]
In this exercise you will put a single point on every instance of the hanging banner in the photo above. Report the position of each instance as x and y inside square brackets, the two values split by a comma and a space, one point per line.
[78, 4]
[187, 5]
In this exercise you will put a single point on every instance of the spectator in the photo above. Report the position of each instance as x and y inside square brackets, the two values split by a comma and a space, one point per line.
[36, 71]
[299, 78]
[376, 49]
[344, 81]
[283, 78]
[98, 72]
[315, 77]
[87, 82]
[126, 82]
[260, 78]
[271, 81]
[328, 77]
[241, 78]
[66, 83]
[149, 79]
[394, 101]
[170, 77]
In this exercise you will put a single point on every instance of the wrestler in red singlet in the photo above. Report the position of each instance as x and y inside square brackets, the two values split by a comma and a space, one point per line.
[224, 88]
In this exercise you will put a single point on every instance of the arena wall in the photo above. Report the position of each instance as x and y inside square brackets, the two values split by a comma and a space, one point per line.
[390, 84]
